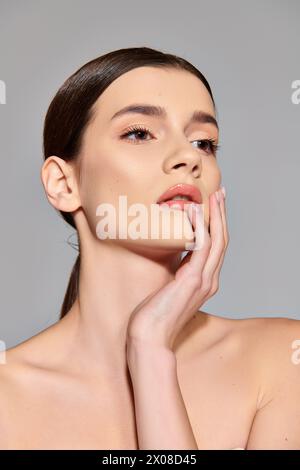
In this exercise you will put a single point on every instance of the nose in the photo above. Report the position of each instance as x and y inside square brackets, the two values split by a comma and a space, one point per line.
[185, 159]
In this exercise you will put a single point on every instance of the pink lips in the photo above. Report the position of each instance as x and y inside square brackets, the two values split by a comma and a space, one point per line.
[181, 189]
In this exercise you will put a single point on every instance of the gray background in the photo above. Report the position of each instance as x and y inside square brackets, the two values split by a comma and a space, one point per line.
[249, 52]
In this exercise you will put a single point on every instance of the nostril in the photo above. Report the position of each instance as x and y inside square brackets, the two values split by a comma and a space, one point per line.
[178, 165]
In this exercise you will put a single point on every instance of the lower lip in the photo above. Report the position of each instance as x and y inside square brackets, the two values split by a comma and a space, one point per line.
[180, 203]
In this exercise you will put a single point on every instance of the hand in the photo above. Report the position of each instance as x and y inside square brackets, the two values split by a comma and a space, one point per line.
[159, 318]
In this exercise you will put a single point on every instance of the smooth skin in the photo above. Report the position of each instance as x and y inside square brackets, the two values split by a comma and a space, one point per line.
[109, 375]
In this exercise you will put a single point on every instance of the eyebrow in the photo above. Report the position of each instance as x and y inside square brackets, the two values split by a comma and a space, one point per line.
[158, 111]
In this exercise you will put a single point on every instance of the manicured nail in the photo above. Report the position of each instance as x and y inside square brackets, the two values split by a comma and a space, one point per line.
[223, 191]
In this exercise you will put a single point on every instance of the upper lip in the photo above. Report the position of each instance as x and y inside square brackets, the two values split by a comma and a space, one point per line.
[182, 189]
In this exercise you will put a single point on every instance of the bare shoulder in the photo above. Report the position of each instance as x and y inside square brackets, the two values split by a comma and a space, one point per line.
[276, 343]
[270, 334]
[39, 353]
[270, 346]
[274, 348]
[273, 339]
[248, 368]
[32, 383]
[22, 371]
[12, 376]
[15, 371]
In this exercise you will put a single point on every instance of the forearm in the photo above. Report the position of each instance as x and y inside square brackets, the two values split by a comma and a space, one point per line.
[161, 417]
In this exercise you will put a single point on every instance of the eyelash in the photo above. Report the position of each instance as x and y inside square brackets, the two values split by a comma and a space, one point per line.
[214, 147]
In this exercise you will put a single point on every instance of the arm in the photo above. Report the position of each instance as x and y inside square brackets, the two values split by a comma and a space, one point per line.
[161, 416]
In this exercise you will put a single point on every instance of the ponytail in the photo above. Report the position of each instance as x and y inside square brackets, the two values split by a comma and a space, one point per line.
[72, 289]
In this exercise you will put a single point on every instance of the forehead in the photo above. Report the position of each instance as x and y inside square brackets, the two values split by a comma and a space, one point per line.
[179, 91]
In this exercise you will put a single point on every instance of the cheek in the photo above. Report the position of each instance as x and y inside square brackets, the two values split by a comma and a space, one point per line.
[94, 185]
[104, 178]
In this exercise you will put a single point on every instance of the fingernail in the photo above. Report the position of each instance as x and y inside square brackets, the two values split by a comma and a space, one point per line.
[223, 191]
[217, 196]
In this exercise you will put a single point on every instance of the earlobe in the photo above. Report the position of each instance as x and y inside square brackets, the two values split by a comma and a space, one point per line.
[60, 184]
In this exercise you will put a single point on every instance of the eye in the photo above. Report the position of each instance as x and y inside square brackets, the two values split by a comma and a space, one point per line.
[210, 146]
[135, 130]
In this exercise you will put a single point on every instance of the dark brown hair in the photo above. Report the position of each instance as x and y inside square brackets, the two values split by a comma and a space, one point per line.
[70, 112]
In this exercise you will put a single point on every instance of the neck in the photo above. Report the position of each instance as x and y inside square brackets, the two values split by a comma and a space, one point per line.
[113, 280]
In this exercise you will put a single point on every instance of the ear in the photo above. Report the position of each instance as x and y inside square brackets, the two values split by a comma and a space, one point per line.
[60, 184]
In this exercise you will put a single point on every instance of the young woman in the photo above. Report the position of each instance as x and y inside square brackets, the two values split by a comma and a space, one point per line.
[133, 363]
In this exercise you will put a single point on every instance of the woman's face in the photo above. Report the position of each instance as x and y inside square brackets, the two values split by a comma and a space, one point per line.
[145, 163]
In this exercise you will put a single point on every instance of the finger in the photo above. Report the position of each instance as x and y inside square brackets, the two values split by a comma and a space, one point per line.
[214, 285]
[216, 275]
[218, 242]
[224, 220]
[202, 240]
[192, 264]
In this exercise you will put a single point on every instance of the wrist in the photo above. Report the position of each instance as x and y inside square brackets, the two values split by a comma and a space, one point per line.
[141, 353]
